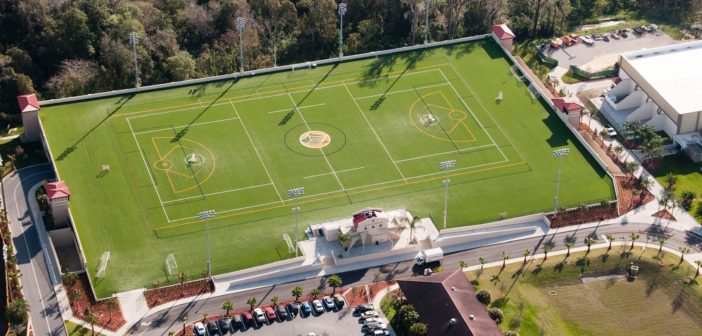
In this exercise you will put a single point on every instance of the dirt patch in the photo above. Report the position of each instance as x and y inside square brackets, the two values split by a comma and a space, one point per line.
[665, 214]
[583, 215]
[109, 316]
[159, 296]
[356, 296]
[376, 287]
[631, 194]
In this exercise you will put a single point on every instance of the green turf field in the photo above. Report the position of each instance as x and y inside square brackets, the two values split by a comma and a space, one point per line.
[364, 133]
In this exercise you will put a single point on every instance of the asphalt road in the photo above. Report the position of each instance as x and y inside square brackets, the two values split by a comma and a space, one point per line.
[168, 320]
[37, 288]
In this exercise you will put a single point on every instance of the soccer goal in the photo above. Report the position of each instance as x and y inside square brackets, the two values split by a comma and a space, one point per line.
[288, 241]
[103, 264]
[171, 265]
[533, 92]
[517, 73]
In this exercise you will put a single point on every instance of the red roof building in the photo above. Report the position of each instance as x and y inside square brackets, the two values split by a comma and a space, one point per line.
[364, 214]
[503, 32]
[56, 190]
[28, 103]
[566, 106]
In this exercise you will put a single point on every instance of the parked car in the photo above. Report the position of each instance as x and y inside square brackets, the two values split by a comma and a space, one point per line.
[282, 312]
[294, 308]
[317, 306]
[574, 37]
[199, 329]
[339, 300]
[363, 308]
[237, 322]
[373, 326]
[328, 303]
[371, 320]
[379, 332]
[212, 328]
[638, 30]
[270, 314]
[248, 319]
[224, 325]
[306, 308]
[258, 315]
[370, 313]
[605, 38]
[614, 35]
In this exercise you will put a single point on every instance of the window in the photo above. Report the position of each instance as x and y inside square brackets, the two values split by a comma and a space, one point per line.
[381, 225]
[373, 227]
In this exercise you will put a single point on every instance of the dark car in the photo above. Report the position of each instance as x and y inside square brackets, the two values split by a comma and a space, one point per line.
[294, 308]
[638, 30]
[248, 319]
[339, 300]
[605, 38]
[306, 308]
[362, 308]
[224, 325]
[282, 312]
[237, 322]
[212, 328]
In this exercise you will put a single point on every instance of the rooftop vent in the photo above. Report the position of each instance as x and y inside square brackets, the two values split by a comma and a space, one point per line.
[452, 321]
[471, 317]
[453, 288]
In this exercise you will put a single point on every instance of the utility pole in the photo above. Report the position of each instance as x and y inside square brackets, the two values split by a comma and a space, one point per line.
[559, 153]
[133, 41]
[206, 215]
[240, 25]
[342, 11]
[295, 193]
[426, 21]
[445, 166]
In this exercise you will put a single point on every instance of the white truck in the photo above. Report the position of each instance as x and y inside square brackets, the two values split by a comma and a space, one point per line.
[433, 255]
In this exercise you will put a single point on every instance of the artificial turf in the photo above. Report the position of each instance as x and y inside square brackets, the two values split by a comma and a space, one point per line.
[236, 147]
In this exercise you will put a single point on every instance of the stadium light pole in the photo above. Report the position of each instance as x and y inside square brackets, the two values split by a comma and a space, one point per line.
[240, 25]
[206, 215]
[342, 11]
[133, 41]
[426, 21]
[559, 154]
[446, 165]
[295, 193]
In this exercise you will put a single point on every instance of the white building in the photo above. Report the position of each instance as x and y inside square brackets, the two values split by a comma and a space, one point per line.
[661, 87]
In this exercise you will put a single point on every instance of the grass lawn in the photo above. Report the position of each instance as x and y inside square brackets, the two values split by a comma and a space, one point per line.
[551, 299]
[78, 330]
[357, 134]
[689, 177]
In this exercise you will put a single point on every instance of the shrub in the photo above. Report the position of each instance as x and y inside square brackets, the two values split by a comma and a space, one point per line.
[515, 323]
[418, 329]
[484, 296]
[496, 314]
[511, 333]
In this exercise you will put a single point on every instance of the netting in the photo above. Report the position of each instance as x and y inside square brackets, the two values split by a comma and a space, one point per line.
[171, 265]
[103, 264]
[288, 241]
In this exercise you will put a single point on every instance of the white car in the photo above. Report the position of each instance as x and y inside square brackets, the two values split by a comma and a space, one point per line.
[328, 302]
[259, 315]
[370, 313]
[317, 306]
[199, 329]
[372, 320]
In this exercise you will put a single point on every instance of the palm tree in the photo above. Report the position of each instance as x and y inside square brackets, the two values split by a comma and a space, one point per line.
[593, 115]
[634, 237]
[227, 306]
[504, 259]
[547, 247]
[610, 238]
[583, 113]
[618, 150]
[482, 263]
[683, 251]
[251, 302]
[653, 148]
[603, 134]
[698, 263]
[661, 241]
[526, 254]
[670, 180]
[343, 239]
[315, 292]
[185, 321]
[91, 319]
[275, 299]
[182, 277]
[461, 264]
[632, 166]
[297, 293]
[69, 279]
[413, 224]
[334, 281]
[17, 311]
[588, 242]
[111, 304]
[568, 245]
[204, 317]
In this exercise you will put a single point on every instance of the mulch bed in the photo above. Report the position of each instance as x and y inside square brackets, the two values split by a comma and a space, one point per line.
[161, 295]
[665, 214]
[376, 287]
[583, 215]
[356, 296]
[111, 320]
[626, 186]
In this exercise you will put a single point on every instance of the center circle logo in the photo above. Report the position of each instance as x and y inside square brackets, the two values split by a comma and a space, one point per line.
[315, 139]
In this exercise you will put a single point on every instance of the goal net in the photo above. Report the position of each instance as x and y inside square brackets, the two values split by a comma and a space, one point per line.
[533, 92]
[103, 264]
[171, 265]
[288, 241]
[516, 72]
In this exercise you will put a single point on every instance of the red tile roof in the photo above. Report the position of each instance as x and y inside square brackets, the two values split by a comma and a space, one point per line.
[364, 214]
[503, 32]
[28, 103]
[566, 106]
[445, 295]
[56, 190]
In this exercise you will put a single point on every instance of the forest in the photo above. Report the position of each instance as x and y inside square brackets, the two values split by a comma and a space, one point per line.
[60, 48]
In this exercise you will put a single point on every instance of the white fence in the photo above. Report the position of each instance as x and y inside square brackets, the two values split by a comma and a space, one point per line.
[260, 72]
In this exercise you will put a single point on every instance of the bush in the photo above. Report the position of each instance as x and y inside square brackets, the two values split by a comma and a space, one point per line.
[511, 333]
[484, 296]
[515, 323]
[418, 329]
[496, 314]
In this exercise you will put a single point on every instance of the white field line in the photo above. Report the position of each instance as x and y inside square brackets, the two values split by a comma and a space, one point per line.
[449, 152]
[401, 91]
[218, 192]
[256, 150]
[473, 114]
[338, 171]
[148, 171]
[321, 150]
[375, 133]
[181, 126]
[300, 107]
[172, 111]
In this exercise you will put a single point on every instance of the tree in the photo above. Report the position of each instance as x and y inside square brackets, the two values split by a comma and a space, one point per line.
[418, 329]
[111, 305]
[496, 314]
[413, 9]
[526, 254]
[686, 198]
[69, 279]
[182, 277]
[661, 242]
[408, 315]
[185, 321]
[670, 180]
[632, 166]
[181, 66]
[17, 311]
[484, 296]
[618, 150]
[75, 77]
[275, 299]
[683, 250]
[91, 319]
[653, 148]
[277, 19]
[334, 281]
[343, 239]
[297, 293]
[588, 242]
[72, 36]
[315, 292]
[547, 248]
[413, 225]
[318, 27]
[227, 306]
[568, 245]
[482, 263]
[462, 264]
[504, 259]
[634, 237]
[251, 302]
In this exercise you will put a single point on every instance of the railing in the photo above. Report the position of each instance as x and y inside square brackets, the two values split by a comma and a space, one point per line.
[594, 75]
[545, 59]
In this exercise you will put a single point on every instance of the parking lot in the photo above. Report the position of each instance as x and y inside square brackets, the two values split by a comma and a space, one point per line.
[337, 321]
[604, 54]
